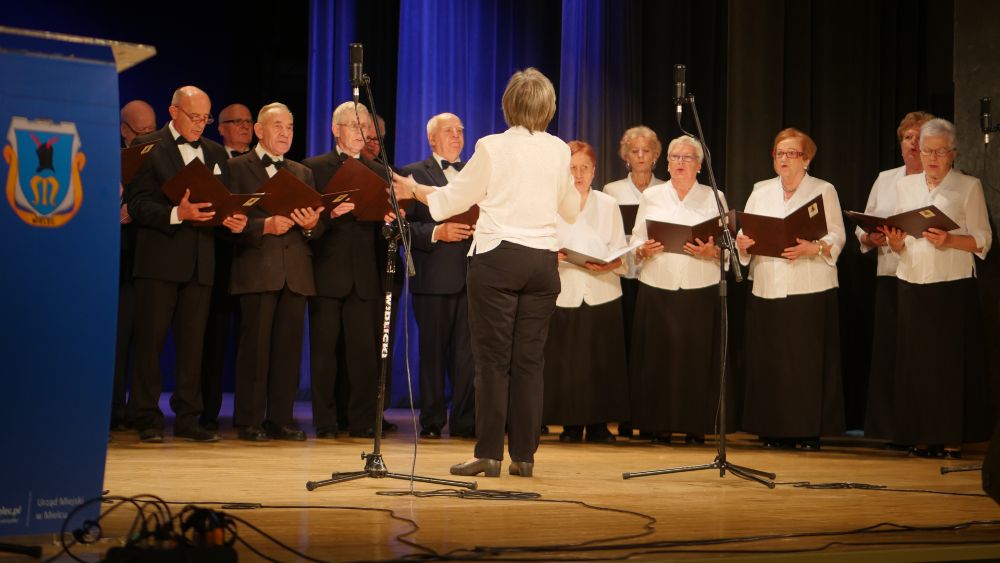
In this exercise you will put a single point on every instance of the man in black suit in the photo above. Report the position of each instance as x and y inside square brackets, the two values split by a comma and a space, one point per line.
[174, 267]
[349, 294]
[236, 129]
[440, 305]
[137, 118]
[273, 275]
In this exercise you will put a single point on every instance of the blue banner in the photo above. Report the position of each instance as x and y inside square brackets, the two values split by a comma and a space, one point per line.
[60, 229]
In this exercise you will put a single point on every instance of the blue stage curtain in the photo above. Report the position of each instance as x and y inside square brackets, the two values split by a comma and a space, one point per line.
[331, 29]
[599, 77]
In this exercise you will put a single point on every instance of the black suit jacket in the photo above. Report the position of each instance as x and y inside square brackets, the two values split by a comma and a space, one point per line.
[344, 257]
[441, 266]
[267, 262]
[172, 253]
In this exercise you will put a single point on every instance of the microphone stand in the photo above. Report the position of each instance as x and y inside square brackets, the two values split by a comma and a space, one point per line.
[727, 243]
[393, 232]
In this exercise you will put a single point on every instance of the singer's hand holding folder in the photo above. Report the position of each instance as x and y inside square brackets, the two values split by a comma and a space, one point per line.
[206, 188]
[772, 235]
[286, 193]
[369, 191]
[581, 258]
[914, 222]
[673, 237]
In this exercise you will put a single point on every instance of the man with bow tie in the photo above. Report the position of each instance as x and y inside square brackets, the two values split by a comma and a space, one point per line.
[349, 296]
[236, 129]
[439, 301]
[174, 267]
[273, 276]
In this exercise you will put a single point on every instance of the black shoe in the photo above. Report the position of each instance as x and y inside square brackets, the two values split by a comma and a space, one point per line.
[599, 434]
[571, 436]
[521, 468]
[660, 437]
[625, 429]
[363, 433]
[468, 434]
[119, 424]
[151, 436]
[928, 451]
[488, 467]
[326, 432]
[647, 435]
[810, 445]
[952, 454]
[777, 443]
[195, 434]
[431, 432]
[694, 439]
[894, 447]
[211, 425]
[390, 427]
[252, 434]
[544, 431]
[288, 432]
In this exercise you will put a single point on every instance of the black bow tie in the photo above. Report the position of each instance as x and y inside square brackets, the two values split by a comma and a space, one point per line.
[182, 141]
[275, 163]
[457, 165]
[236, 152]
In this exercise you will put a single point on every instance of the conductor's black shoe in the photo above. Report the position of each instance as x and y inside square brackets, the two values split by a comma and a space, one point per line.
[488, 467]
[195, 434]
[284, 432]
[326, 432]
[431, 432]
[252, 434]
[151, 436]
[521, 468]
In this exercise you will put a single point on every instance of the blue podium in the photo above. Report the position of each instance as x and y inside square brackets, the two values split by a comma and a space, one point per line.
[59, 224]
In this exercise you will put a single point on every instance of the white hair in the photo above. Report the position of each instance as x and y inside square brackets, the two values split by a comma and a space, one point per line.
[689, 141]
[938, 128]
[274, 106]
[345, 109]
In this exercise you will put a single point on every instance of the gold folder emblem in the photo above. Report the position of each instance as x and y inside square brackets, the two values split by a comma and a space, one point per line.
[250, 202]
[813, 210]
[926, 213]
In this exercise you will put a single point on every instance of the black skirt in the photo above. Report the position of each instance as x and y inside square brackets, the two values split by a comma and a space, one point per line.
[793, 381]
[674, 361]
[880, 412]
[585, 366]
[940, 385]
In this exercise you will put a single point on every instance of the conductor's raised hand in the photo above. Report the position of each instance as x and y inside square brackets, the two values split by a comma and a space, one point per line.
[187, 211]
[235, 223]
[405, 186]
[306, 217]
[453, 232]
[277, 225]
[701, 249]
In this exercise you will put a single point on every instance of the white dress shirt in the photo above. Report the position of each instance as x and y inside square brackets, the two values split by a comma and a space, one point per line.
[959, 197]
[775, 278]
[598, 231]
[188, 153]
[667, 270]
[625, 192]
[521, 182]
[270, 169]
[882, 203]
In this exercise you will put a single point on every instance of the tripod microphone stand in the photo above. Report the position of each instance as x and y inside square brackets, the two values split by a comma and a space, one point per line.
[727, 243]
[393, 233]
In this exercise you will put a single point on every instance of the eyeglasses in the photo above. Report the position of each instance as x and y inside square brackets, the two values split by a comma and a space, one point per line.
[936, 152]
[681, 158]
[143, 131]
[237, 122]
[207, 119]
[452, 130]
[792, 154]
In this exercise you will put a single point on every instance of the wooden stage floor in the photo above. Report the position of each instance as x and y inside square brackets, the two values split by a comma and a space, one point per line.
[577, 500]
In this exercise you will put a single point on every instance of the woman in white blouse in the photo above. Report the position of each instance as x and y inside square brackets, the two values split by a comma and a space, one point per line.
[640, 149]
[793, 389]
[940, 386]
[585, 352]
[674, 360]
[520, 179]
[882, 202]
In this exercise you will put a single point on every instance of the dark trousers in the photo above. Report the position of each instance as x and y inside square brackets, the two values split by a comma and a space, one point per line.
[445, 346]
[512, 294]
[223, 315]
[160, 305]
[121, 412]
[356, 318]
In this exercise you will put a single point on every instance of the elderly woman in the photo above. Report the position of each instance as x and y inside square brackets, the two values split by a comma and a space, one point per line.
[940, 383]
[793, 386]
[674, 361]
[640, 149]
[585, 352]
[520, 179]
[882, 202]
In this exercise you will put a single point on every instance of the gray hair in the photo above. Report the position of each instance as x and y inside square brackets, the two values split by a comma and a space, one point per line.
[344, 109]
[689, 141]
[274, 106]
[432, 123]
[938, 128]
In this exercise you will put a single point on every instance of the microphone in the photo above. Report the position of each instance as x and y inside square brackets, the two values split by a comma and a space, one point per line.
[984, 119]
[679, 87]
[357, 71]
